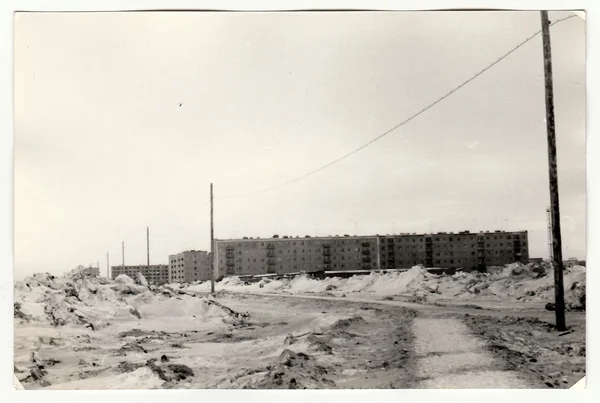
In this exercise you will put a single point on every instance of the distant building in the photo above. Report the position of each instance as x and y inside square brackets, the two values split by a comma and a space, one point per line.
[188, 266]
[465, 250]
[291, 255]
[91, 271]
[573, 261]
[157, 274]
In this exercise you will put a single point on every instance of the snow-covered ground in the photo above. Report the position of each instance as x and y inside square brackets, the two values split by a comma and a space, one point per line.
[79, 332]
[511, 283]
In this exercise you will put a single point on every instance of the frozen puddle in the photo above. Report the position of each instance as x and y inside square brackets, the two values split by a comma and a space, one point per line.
[450, 357]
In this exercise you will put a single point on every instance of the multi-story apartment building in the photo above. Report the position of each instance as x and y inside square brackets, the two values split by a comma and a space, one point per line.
[157, 274]
[464, 250]
[188, 266]
[290, 255]
[459, 250]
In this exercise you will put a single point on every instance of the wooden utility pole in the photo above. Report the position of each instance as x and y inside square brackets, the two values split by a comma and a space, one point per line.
[123, 253]
[107, 266]
[148, 245]
[553, 173]
[212, 243]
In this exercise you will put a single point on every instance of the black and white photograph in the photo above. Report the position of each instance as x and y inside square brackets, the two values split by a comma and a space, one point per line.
[331, 199]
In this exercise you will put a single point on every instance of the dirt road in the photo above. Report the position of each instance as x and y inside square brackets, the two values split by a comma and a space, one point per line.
[306, 342]
[450, 357]
[461, 345]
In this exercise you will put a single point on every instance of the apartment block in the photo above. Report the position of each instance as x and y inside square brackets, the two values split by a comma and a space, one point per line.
[188, 266]
[154, 274]
[465, 250]
[288, 255]
[458, 250]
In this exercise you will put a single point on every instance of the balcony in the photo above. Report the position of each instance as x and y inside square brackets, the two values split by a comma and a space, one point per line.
[271, 269]
[270, 246]
[366, 244]
[270, 261]
[271, 253]
[327, 261]
[326, 252]
[327, 245]
[230, 270]
[228, 248]
[366, 252]
[366, 259]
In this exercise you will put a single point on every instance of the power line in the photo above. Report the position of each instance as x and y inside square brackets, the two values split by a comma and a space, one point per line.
[431, 105]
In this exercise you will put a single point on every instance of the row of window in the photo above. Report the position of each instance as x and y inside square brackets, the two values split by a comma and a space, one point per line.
[305, 266]
[253, 245]
[412, 239]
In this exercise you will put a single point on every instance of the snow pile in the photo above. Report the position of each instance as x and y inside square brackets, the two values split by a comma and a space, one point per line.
[141, 280]
[511, 283]
[80, 300]
[305, 284]
[126, 285]
[396, 283]
[184, 307]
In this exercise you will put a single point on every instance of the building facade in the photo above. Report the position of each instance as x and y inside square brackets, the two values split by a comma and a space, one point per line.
[290, 255]
[464, 250]
[157, 274]
[188, 266]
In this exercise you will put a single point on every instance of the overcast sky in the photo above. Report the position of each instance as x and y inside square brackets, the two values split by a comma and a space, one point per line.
[123, 120]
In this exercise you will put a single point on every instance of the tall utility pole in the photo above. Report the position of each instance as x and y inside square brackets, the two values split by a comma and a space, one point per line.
[212, 243]
[549, 218]
[553, 171]
[107, 266]
[148, 245]
[123, 253]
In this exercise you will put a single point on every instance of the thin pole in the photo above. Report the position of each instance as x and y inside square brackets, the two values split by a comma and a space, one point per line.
[148, 245]
[123, 253]
[212, 243]
[553, 173]
[107, 266]
[549, 218]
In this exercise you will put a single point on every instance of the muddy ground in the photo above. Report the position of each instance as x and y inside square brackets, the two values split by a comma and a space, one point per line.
[546, 357]
[275, 343]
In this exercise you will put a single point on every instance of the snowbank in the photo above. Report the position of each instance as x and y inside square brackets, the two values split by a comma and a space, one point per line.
[89, 302]
[510, 283]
